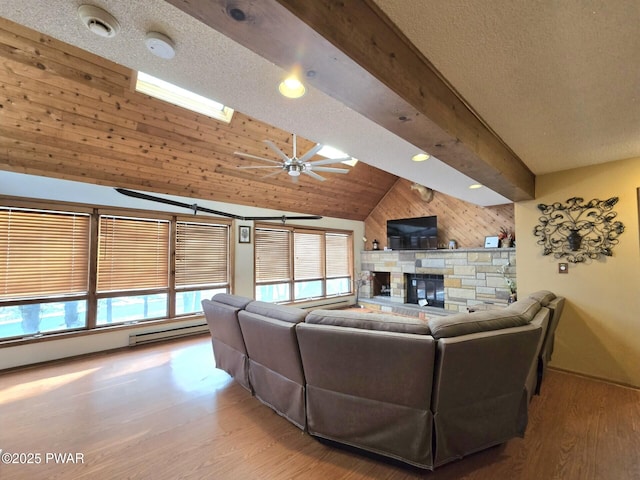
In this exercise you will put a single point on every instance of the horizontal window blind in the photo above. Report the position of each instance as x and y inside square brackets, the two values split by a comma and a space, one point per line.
[338, 255]
[308, 255]
[273, 252]
[43, 253]
[202, 254]
[133, 254]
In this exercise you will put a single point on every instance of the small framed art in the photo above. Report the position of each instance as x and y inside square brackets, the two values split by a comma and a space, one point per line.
[244, 234]
[491, 242]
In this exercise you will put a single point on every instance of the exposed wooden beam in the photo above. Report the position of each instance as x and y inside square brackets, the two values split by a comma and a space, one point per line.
[351, 51]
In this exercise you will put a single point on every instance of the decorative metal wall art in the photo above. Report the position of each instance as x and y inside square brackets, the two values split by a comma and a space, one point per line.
[578, 231]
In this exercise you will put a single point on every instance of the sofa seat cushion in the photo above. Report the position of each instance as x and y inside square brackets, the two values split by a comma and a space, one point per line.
[277, 312]
[232, 300]
[368, 321]
[467, 323]
[543, 296]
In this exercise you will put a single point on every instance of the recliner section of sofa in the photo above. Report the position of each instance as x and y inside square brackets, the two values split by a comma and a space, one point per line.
[367, 382]
[275, 368]
[229, 352]
[425, 393]
[482, 362]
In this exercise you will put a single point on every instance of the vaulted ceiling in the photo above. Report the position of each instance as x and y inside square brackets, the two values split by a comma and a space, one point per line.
[497, 90]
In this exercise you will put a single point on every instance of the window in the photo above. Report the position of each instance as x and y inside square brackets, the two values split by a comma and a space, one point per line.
[338, 260]
[142, 268]
[273, 265]
[202, 264]
[181, 97]
[308, 265]
[133, 257]
[44, 271]
[294, 264]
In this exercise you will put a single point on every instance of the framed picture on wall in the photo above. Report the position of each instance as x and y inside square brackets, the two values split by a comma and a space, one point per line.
[491, 242]
[244, 234]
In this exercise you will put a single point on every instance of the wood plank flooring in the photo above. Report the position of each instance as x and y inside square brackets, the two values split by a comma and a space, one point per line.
[164, 412]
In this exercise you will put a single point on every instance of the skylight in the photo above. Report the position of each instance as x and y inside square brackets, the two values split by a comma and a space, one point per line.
[181, 97]
[330, 152]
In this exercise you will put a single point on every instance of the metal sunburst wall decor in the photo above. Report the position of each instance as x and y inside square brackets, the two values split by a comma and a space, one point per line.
[578, 231]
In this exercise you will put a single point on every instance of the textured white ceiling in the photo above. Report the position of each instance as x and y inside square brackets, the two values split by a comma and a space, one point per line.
[557, 81]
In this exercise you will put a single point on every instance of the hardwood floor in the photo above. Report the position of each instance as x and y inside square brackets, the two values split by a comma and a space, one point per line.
[164, 412]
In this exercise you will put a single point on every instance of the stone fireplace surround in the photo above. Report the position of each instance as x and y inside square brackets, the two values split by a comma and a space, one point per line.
[471, 276]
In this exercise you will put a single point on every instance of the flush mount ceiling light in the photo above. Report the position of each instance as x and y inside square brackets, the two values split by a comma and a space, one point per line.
[160, 45]
[420, 157]
[98, 21]
[291, 87]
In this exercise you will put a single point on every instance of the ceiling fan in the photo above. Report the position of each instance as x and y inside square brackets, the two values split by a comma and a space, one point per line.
[293, 165]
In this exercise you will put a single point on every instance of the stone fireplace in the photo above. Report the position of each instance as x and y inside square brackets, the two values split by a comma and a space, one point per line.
[470, 277]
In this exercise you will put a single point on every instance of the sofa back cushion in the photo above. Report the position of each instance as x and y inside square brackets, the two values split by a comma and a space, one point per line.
[517, 314]
[543, 296]
[368, 321]
[527, 308]
[278, 312]
[232, 300]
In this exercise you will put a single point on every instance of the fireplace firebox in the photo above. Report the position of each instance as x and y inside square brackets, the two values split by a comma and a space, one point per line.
[425, 289]
[381, 284]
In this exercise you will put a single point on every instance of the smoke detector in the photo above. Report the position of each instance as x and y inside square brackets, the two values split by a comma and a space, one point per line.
[98, 21]
[160, 45]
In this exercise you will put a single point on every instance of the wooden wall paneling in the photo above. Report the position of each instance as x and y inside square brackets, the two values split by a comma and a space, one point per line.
[464, 222]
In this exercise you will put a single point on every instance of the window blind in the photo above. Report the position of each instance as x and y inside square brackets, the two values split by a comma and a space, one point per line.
[202, 254]
[273, 251]
[338, 255]
[43, 253]
[133, 253]
[308, 255]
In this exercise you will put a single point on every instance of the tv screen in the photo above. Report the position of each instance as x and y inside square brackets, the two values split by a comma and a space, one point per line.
[419, 233]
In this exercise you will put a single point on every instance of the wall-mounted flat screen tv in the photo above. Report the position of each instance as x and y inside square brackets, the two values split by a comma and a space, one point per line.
[419, 233]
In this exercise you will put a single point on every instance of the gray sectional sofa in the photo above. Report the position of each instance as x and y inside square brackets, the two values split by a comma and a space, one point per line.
[424, 393]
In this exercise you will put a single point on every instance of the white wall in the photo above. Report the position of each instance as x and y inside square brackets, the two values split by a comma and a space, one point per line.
[19, 185]
[599, 332]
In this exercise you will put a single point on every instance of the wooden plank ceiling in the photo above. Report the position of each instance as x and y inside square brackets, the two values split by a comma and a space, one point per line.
[66, 113]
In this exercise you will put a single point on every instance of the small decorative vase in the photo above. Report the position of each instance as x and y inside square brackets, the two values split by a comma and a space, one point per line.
[512, 298]
[506, 243]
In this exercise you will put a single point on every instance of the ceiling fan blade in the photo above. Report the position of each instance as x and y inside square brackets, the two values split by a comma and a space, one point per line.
[310, 153]
[277, 150]
[314, 175]
[273, 174]
[258, 166]
[329, 161]
[256, 157]
[329, 169]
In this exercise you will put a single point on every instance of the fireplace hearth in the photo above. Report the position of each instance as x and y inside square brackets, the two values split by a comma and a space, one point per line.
[425, 289]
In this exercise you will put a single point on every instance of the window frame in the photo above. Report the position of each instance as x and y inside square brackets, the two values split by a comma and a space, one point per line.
[292, 281]
[93, 296]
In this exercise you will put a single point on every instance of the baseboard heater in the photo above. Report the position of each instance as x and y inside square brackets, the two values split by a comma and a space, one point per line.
[167, 334]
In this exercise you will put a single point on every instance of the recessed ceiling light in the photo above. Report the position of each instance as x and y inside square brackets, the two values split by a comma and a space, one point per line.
[291, 87]
[420, 157]
[475, 186]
